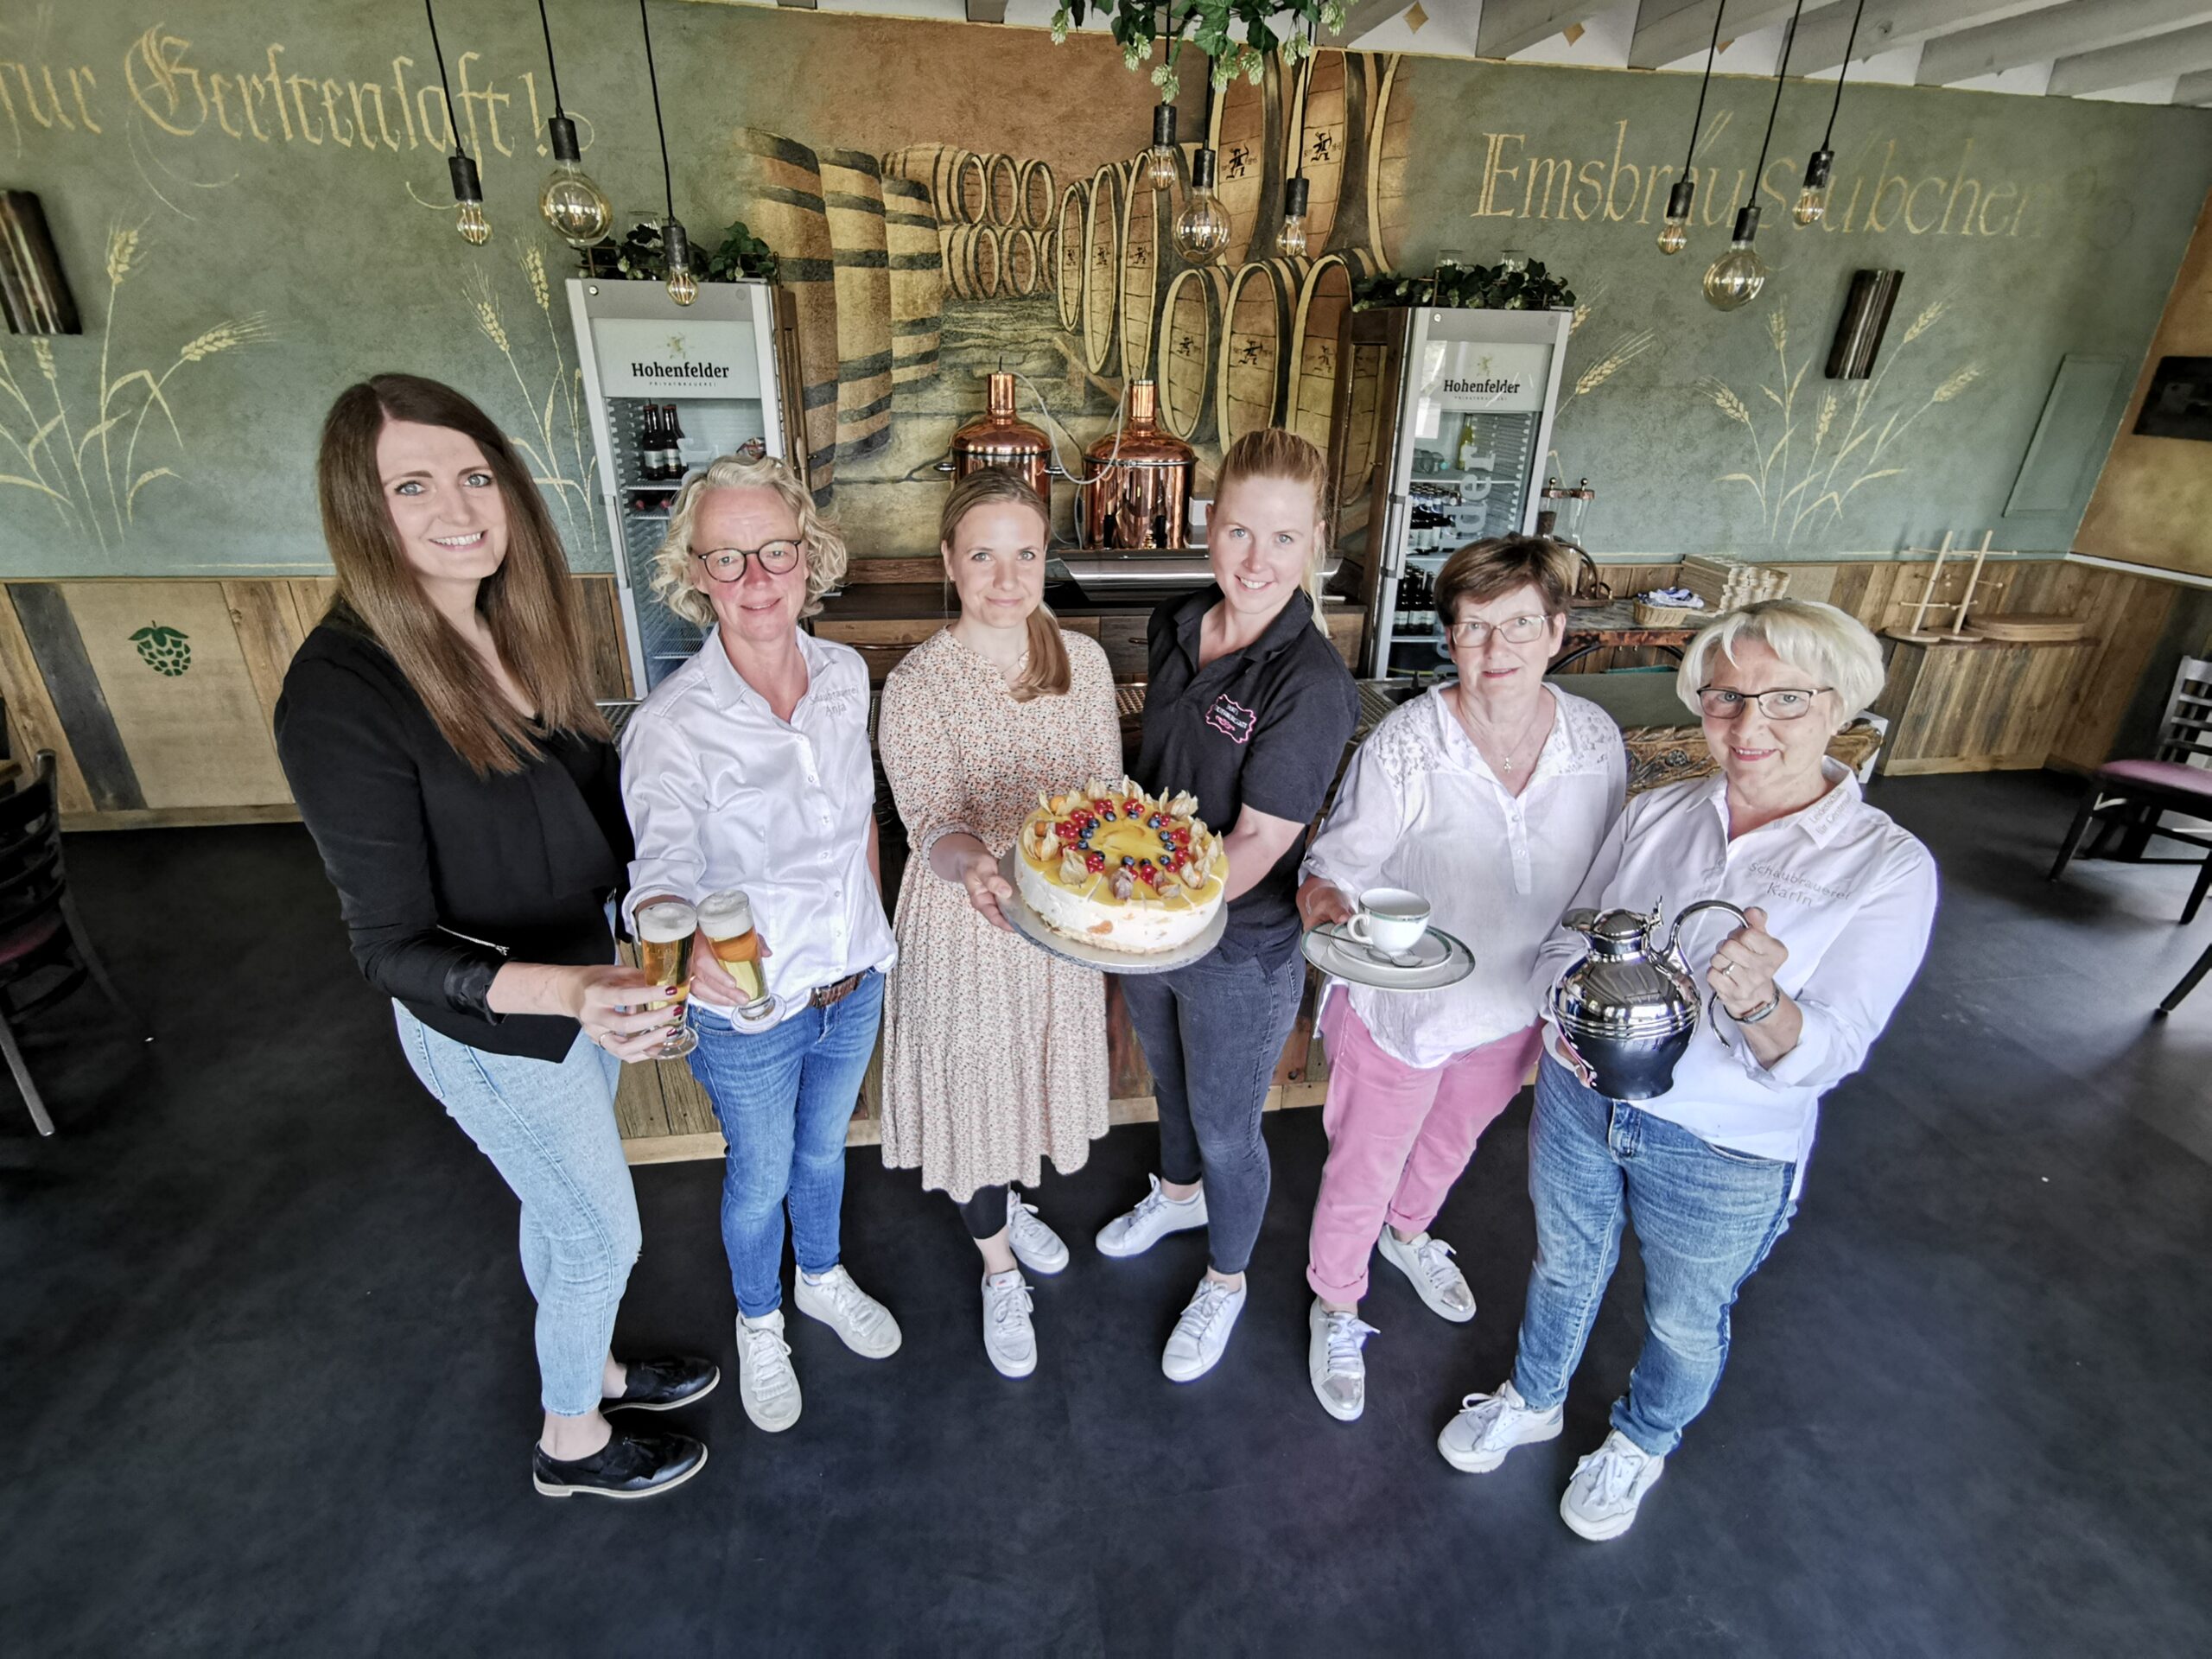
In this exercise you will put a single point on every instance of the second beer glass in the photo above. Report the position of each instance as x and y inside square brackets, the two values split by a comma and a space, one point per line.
[726, 921]
[664, 931]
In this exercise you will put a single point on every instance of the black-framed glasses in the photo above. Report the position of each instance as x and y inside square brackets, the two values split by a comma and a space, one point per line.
[1514, 630]
[727, 563]
[1783, 703]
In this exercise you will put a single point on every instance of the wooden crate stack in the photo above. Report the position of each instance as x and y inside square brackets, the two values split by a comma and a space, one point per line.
[1724, 584]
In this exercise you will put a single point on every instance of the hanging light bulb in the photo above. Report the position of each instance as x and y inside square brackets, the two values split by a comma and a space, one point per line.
[1735, 278]
[572, 203]
[1160, 161]
[468, 201]
[1813, 201]
[1290, 241]
[1675, 234]
[683, 286]
[1202, 228]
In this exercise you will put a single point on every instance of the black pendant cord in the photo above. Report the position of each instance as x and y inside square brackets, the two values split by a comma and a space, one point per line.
[553, 68]
[1781, 73]
[1298, 171]
[1712, 51]
[1843, 73]
[453, 122]
[667, 182]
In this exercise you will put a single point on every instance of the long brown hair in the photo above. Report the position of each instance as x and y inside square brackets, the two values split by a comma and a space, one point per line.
[527, 603]
[1272, 452]
[1047, 673]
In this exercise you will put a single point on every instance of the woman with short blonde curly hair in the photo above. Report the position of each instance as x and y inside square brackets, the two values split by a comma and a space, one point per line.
[673, 568]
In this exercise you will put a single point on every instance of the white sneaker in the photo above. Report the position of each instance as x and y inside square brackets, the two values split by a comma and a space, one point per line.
[1491, 1425]
[1200, 1337]
[862, 1322]
[1009, 1337]
[1428, 1261]
[1036, 1246]
[766, 1381]
[1155, 1216]
[1333, 1360]
[1601, 1499]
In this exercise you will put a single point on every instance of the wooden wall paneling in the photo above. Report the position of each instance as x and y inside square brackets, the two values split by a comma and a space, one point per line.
[1975, 707]
[603, 615]
[33, 722]
[80, 706]
[266, 618]
[640, 1113]
[2130, 614]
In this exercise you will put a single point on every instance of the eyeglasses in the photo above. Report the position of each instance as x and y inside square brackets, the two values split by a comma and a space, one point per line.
[1786, 702]
[1514, 630]
[727, 563]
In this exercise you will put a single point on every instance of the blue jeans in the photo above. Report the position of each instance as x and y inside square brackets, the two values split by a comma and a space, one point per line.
[1704, 1219]
[1211, 1033]
[783, 1097]
[549, 1128]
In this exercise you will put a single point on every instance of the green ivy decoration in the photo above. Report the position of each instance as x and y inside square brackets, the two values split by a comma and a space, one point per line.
[641, 258]
[1469, 288]
[1210, 26]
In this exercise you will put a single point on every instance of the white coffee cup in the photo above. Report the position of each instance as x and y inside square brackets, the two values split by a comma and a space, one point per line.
[1391, 920]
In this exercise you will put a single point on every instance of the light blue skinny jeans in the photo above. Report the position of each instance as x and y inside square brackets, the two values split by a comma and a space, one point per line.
[549, 1128]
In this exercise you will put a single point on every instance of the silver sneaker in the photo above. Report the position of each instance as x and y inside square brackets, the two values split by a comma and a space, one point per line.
[1036, 1246]
[1333, 1361]
[1601, 1499]
[1491, 1425]
[864, 1324]
[1009, 1338]
[1201, 1336]
[1428, 1261]
[1155, 1216]
[766, 1382]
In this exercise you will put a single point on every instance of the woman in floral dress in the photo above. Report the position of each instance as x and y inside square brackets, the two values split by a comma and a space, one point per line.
[995, 1051]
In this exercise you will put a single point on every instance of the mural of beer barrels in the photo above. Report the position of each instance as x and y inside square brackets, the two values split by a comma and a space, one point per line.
[1247, 136]
[916, 279]
[1102, 290]
[852, 200]
[1048, 261]
[1069, 245]
[958, 189]
[1389, 142]
[1003, 190]
[973, 263]
[1148, 213]
[1254, 357]
[1019, 267]
[778, 184]
[1335, 93]
[1190, 318]
[1040, 196]
[1324, 301]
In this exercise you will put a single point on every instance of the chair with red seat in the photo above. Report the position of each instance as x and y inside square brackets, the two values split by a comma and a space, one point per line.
[40, 933]
[2133, 797]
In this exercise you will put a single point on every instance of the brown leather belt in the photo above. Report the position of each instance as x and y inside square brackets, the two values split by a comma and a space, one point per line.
[822, 996]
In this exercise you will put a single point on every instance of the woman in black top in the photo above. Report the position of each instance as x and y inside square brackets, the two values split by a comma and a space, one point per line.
[440, 735]
[1249, 707]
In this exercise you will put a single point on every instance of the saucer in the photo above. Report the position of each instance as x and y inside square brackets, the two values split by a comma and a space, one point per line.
[1438, 960]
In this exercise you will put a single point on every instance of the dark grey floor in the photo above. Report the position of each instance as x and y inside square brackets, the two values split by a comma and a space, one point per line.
[268, 1381]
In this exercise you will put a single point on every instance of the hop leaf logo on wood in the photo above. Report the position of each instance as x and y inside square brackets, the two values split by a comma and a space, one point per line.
[166, 650]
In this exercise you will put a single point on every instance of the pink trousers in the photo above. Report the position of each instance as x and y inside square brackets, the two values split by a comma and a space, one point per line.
[1398, 1138]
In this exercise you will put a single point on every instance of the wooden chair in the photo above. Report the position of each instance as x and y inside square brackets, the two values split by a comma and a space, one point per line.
[40, 932]
[2188, 983]
[2132, 797]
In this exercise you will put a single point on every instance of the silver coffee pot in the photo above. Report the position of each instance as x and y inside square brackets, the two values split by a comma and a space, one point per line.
[1628, 1009]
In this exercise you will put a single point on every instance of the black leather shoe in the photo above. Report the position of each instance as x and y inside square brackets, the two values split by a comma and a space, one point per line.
[665, 1384]
[629, 1466]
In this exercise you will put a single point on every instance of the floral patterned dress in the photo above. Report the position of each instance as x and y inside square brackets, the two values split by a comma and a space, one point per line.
[994, 1051]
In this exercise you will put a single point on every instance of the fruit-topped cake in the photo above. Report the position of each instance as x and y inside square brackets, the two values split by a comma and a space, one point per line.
[1116, 868]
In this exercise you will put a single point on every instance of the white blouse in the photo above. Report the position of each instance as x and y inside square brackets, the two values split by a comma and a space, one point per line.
[1419, 808]
[723, 794]
[1848, 892]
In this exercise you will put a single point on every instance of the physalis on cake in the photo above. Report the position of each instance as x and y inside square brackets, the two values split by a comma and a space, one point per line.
[1112, 867]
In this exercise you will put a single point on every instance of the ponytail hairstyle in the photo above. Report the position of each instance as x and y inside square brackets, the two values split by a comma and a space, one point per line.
[529, 603]
[1045, 674]
[1272, 452]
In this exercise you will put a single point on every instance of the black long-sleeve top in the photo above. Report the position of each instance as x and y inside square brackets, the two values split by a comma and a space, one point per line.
[443, 876]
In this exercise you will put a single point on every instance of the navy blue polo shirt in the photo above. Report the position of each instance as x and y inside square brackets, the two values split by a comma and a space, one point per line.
[1264, 727]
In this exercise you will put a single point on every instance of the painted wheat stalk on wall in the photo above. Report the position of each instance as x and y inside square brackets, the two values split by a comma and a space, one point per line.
[558, 446]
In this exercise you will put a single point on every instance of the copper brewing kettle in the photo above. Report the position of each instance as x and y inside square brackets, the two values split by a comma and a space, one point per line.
[1135, 492]
[1000, 438]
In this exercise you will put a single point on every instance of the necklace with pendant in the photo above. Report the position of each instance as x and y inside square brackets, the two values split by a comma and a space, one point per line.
[1508, 763]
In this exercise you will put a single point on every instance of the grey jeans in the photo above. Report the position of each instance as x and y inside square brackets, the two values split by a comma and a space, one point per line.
[1212, 1032]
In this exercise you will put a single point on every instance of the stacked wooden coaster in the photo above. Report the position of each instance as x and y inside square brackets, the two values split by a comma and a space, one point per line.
[1724, 584]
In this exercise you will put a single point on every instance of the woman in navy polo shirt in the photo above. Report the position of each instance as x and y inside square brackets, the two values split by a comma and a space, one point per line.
[1249, 708]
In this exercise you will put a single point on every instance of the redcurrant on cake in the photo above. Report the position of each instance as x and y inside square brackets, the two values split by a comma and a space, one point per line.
[1115, 868]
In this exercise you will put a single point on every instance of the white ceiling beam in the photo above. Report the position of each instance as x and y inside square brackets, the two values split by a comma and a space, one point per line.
[1368, 18]
[1667, 29]
[2059, 31]
[1888, 26]
[1510, 26]
[2194, 89]
[2181, 51]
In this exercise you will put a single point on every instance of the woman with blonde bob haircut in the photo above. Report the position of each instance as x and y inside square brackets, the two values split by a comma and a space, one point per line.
[748, 770]
[1841, 900]
[994, 1052]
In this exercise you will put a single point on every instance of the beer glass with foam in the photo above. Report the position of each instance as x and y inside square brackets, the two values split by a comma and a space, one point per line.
[725, 919]
[664, 931]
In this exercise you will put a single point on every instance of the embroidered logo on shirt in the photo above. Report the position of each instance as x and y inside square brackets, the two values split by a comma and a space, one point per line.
[1790, 885]
[1231, 719]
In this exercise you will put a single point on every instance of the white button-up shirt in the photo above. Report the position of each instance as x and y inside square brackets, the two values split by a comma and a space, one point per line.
[723, 794]
[1848, 892]
[1419, 808]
